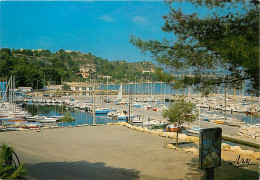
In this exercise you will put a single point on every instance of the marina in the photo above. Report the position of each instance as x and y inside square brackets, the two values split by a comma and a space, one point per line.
[149, 111]
[130, 90]
[235, 114]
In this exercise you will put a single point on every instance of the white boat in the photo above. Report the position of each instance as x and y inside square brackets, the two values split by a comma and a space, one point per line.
[137, 104]
[111, 114]
[137, 119]
[32, 124]
[32, 118]
[57, 116]
[43, 119]
[102, 111]
[122, 115]
[243, 109]
[154, 122]
[194, 131]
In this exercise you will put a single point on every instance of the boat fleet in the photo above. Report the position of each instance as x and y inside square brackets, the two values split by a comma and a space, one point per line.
[12, 115]
[15, 117]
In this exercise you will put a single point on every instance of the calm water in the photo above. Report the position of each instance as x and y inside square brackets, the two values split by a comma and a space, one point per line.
[81, 117]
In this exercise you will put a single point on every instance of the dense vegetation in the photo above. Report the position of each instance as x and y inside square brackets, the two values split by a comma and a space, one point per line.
[7, 169]
[38, 68]
[220, 48]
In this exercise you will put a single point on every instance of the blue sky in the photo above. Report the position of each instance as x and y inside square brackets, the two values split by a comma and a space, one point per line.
[101, 27]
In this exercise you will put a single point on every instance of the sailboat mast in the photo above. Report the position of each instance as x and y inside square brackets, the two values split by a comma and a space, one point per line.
[94, 103]
[14, 94]
[225, 100]
[199, 110]
[129, 105]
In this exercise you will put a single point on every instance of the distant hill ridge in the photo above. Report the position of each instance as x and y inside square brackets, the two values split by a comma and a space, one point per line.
[40, 67]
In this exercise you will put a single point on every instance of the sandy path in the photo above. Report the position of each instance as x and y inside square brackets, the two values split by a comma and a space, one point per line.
[105, 152]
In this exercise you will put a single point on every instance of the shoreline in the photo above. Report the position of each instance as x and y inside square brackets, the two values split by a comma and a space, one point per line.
[229, 132]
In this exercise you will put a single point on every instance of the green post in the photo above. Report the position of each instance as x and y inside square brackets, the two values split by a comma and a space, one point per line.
[209, 173]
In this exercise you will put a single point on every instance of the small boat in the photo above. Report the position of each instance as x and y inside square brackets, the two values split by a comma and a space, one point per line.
[122, 116]
[32, 125]
[136, 104]
[57, 116]
[111, 114]
[102, 111]
[116, 102]
[137, 119]
[13, 129]
[154, 122]
[219, 121]
[194, 131]
[11, 119]
[32, 118]
[43, 119]
[172, 127]
[154, 108]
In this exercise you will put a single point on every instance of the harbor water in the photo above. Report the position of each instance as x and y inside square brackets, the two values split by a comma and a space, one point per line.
[81, 116]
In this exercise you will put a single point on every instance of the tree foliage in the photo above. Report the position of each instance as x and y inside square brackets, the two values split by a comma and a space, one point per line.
[67, 118]
[7, 169]
[66, 87]
[39, 68]
[221, 47]
[180, 112]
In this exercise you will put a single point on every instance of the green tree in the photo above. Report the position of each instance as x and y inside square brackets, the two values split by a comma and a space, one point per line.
[45, 52]
[61, 51]
[224, 41]
[180, 112]
[66, 87]
[6, 64]
[27, 52]
[36, 68]
[67, 118]
[60, 64]
[6, 50]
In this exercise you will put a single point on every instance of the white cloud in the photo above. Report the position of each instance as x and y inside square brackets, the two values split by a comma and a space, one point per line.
[107, 18]
[140, 20]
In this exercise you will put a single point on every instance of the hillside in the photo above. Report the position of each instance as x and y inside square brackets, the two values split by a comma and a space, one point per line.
[38, 68]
